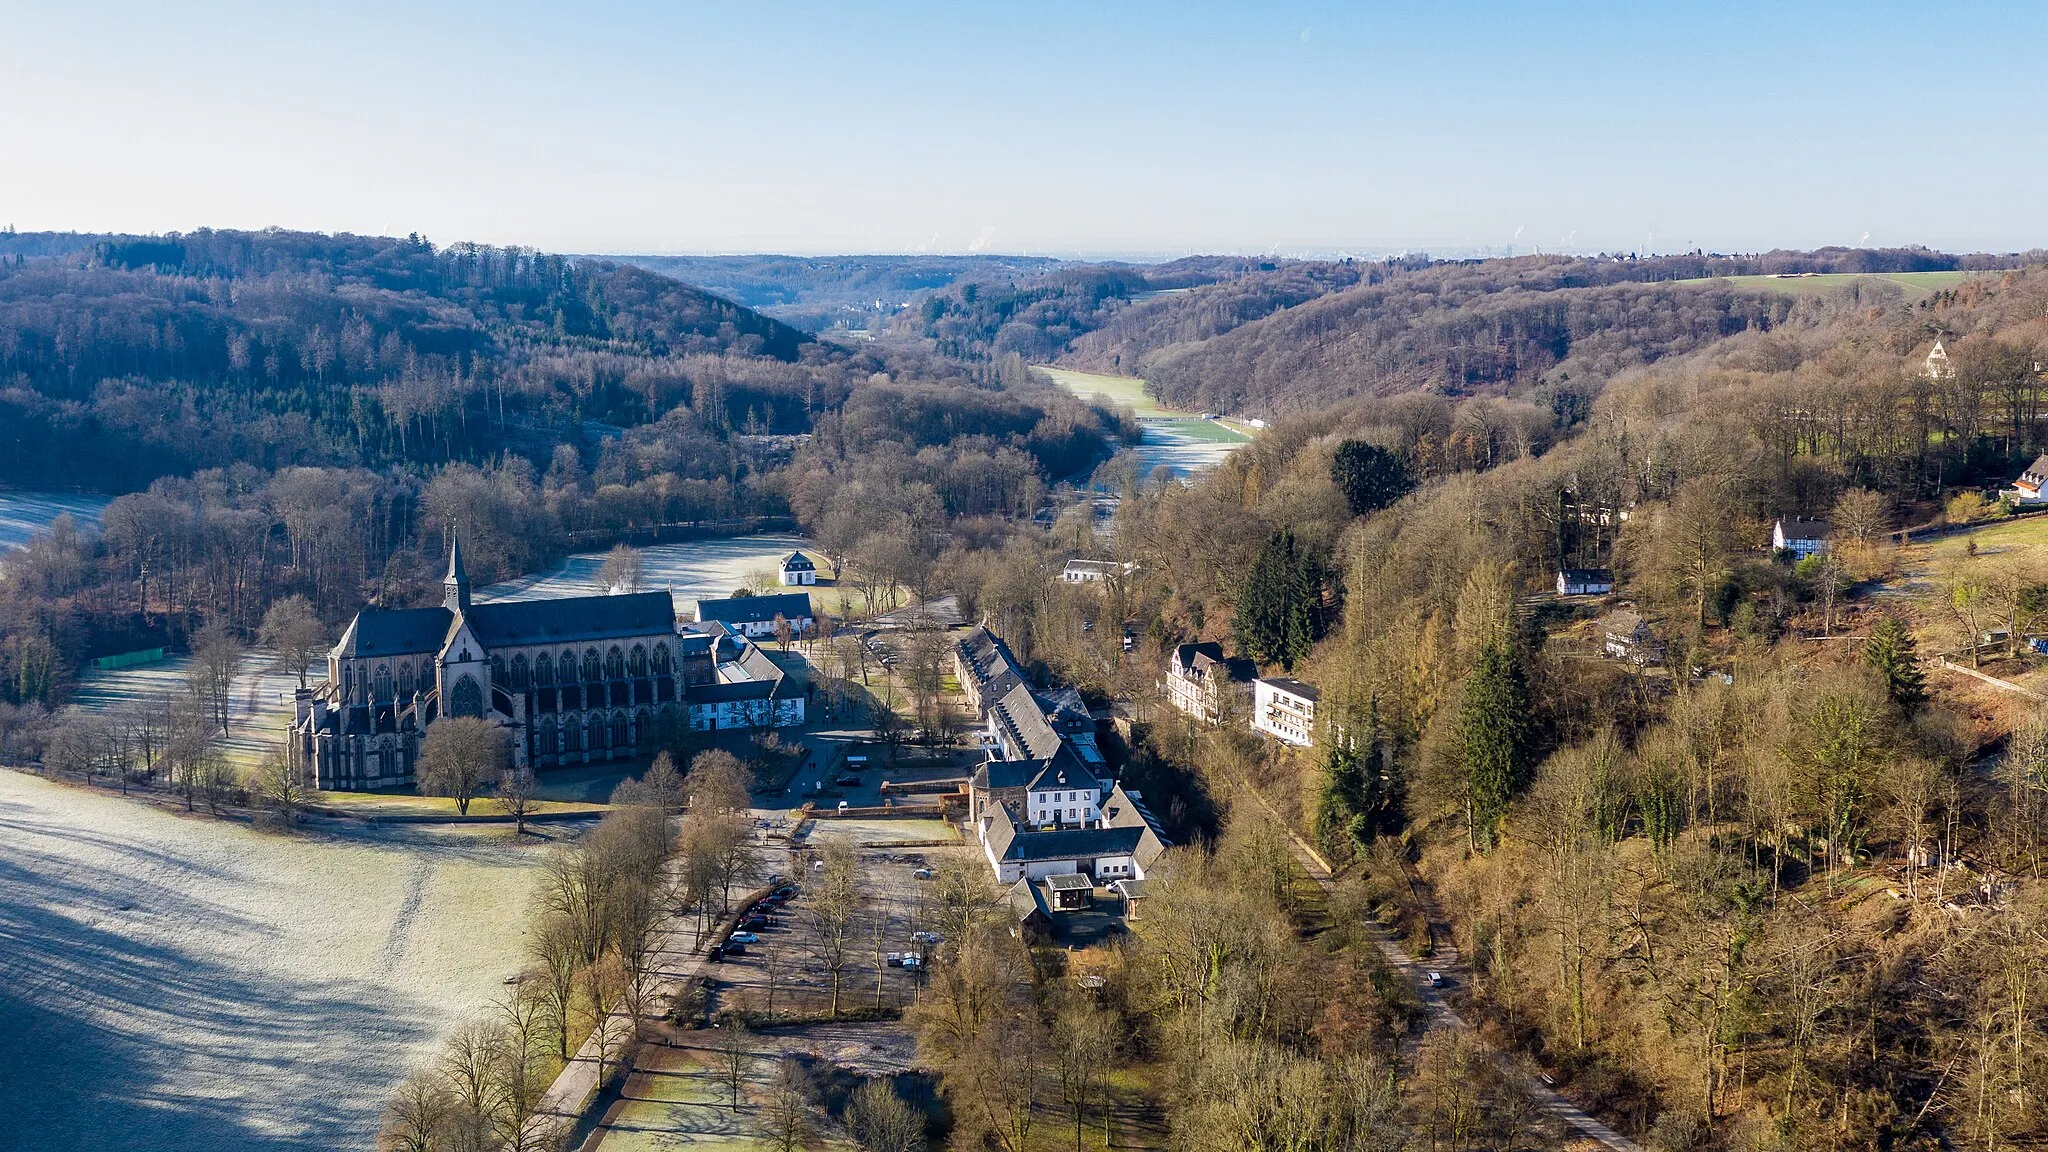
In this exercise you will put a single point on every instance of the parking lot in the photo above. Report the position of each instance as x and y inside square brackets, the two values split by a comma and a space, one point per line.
[783, 970]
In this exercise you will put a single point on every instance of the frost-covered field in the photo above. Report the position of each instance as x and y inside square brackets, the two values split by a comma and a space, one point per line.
[261, 695]
[23, 514]
[695, 569]
[1189, 447]
[176, 983]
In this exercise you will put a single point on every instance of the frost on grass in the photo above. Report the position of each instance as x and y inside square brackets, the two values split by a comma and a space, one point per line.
[173, 983]
[696, 569]
[23, 514]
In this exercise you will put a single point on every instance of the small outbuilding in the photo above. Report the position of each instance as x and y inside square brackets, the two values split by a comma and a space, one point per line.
[1585, 582]
[1069, 893]
[798, 571]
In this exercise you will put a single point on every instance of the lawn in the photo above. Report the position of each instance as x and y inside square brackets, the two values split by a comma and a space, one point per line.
[1212, 430]
[1126, 390]
[1915, 283]
[691, 569]
[171, 982]
[1920, 564]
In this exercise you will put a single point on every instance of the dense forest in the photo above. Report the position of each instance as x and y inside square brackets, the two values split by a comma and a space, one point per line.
[1776, 887]
[1275, 337]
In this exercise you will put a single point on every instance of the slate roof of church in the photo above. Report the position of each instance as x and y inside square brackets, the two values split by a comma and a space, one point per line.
[395, 631]
[511, 624]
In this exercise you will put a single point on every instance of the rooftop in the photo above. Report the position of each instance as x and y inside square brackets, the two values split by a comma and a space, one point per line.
[1292, 687]
[791, 606]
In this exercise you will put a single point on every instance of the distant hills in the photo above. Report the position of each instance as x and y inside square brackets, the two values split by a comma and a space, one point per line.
[816, 293]
[1271, 337]
[129, 357]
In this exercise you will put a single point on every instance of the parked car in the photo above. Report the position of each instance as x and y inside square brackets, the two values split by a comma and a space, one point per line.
[735, 948]
[743, 938]
[921, 874]
[848, 781]
[717, 954]
[912, 960]
[926, 937]
[755, 921]
[1435, 979]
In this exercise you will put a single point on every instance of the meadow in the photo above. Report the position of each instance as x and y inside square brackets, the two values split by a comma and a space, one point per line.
[23, 514]
[690, 569]
[1915, 283]
[173, 983]
[1189, 447]
[1126, 390]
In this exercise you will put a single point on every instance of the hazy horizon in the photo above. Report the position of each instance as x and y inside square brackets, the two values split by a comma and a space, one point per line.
[1077, 131]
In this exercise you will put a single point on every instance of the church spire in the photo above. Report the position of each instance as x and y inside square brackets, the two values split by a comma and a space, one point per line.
[455, 585]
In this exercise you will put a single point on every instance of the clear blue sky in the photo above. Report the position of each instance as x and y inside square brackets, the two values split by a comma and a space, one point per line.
[1070, 128]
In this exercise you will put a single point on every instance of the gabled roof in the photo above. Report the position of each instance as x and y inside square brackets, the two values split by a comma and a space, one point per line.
[572, 619]
[1200, 661]
[1008, 841]
[988, 661]
[726, 693]
[997, 775]
[395, 632]
[1025, 901]
[1065, 710]
[1804, 528]
[1069, 882]
[1624, 623]
[1126, 810]
[1588, 575]
[1075, 844]
[1063, 771]
[791, 606]
[1019, 714]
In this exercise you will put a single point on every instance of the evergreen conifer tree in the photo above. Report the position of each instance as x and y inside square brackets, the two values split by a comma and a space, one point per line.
[1279, 610]
[1892, 651]
[1493, 729]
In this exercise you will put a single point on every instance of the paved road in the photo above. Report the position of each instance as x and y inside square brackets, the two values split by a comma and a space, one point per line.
[1447, 962]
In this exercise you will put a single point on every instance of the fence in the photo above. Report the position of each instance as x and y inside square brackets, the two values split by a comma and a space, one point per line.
[127, 659]
[1995, 682]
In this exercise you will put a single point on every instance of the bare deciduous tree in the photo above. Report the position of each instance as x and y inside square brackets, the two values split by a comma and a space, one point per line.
[517, 795]
[460, 758]
[836, 900]
[292, 629]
